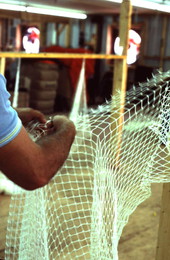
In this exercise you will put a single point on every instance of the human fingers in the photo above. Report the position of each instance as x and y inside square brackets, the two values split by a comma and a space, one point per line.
[37, 115]
[59, 120]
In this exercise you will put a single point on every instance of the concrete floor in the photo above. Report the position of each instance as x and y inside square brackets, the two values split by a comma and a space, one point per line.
[4, 209]
[139, 238]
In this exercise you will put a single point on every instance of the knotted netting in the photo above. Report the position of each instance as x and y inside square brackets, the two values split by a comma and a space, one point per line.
[115, 157]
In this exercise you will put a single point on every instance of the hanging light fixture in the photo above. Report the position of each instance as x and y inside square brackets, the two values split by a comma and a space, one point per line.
[41, 9]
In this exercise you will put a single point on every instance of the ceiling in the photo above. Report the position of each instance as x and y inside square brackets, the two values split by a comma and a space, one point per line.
[86, 6]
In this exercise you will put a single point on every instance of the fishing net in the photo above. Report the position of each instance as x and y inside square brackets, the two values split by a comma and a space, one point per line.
[119, 150]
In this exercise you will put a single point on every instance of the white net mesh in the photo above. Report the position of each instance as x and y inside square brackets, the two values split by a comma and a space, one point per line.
[81, 213]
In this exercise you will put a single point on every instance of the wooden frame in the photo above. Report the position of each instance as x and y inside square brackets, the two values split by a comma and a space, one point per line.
[45, 55]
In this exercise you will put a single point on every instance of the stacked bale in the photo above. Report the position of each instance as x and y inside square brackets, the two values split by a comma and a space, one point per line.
[43, 88]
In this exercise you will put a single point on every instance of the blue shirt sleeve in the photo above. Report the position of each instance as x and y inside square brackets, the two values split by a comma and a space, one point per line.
[10, 124]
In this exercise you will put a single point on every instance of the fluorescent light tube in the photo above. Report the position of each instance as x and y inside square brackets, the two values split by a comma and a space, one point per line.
[10, 7]
[55, 12]
[41, 10]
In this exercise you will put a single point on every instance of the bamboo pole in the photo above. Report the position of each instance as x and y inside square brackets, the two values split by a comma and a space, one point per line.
[120, 74]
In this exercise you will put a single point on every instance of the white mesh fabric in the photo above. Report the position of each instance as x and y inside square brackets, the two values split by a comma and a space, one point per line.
[81, 213]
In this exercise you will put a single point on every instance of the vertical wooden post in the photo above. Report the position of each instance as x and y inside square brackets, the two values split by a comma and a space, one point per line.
[163, 242]
[68, 35]
[163, 42]
[43, 36]
[2, 65]
[120, 71]
[120, 67]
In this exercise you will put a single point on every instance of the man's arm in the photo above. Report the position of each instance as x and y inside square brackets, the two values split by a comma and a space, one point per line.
[32, 165]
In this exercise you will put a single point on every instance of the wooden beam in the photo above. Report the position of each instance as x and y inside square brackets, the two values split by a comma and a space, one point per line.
[2, 65]
[59, 55]
[43, 29]
[120, 77]
[68, 35]
[120, 70]
[163, 42]
[125, 24]
[120, 73]
[163, 242]
[47, 55]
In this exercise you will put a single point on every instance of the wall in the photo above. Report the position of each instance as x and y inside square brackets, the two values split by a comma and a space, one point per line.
[152, 28]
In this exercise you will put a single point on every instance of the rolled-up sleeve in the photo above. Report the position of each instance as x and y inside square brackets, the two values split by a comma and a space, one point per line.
[10, 124]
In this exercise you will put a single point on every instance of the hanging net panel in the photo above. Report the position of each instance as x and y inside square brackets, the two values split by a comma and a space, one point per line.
[81, 213]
